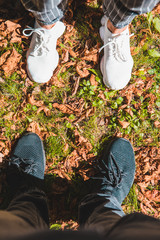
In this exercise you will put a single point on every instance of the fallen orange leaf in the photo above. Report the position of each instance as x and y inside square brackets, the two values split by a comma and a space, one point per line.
[124, 124]
[11, 63]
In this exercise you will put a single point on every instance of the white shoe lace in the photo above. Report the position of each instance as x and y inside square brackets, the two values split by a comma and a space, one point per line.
[42, 40]
[117, 47]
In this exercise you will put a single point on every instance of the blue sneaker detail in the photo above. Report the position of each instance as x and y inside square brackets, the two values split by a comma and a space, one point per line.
[29, 155]
[117, 170]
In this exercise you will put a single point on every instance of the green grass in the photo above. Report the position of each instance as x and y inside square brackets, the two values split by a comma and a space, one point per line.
[140, 124]
[107, 109]
[131, 202]
[55, 226]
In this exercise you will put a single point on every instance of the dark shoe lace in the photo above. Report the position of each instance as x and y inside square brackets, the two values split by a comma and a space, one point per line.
[26, 165]
[110, 177]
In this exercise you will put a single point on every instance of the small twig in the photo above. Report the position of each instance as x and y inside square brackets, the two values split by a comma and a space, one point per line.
[65, 98]
[76, 85]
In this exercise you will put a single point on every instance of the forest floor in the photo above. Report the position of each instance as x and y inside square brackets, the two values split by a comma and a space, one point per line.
[75, 114]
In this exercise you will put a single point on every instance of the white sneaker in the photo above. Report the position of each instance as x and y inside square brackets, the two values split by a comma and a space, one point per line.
[116, 64]
[42, 56]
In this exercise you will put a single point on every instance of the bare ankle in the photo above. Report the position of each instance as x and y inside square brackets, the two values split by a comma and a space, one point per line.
[47, 26]
[113, 29]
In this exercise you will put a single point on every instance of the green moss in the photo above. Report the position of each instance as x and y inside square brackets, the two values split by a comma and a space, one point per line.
[131, 203]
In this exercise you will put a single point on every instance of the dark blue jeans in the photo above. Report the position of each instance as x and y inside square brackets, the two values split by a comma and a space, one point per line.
[27, 218]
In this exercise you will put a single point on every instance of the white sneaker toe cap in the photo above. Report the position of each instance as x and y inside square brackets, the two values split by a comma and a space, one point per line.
[118, 77]
[41, 71]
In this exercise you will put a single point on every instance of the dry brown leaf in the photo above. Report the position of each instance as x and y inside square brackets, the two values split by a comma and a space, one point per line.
[45, 109]
[65, 108]
[143, 208]
[22, 70]
[15, 38]
[139, 92]
[153, 195]
[61, 173]
[66, 147]
[129, 96]
[2, 80]
[153, 178]
[69, 64]
[2, 145]
[157, 124]
[4, 56]
[101, 95]
[1, 157]
[3, 29]
[4, 43]
[142, 42]
[93, 81]
[134, 50]
[72, 161]
[149, 83]
[9, 116]
[91, 57]
[28, 82]
[53, 134]
[81, 141]
[11, 26]
[123, 107]
[143, 186]
[82, 70]
[146, 168]
[56, 81]
[149, 140]
[11, 64]
[145, 30]
[72, 53]
[85, 114]
[65, 56]
[32, 101]
[13, 127]
[34, 127]
[76, 85]
[124, 124]
[129, 111]
[89, 112]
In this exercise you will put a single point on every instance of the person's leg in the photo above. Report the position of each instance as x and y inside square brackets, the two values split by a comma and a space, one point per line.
[26, 213]
[101, 210]
[46, 12]
[136, 226]
[122, 12]
[28, 209]
[117, 63]
[42, 56]
[97, 214]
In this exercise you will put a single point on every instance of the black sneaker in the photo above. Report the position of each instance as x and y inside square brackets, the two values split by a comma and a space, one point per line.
[29, 156]
[117, 170]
